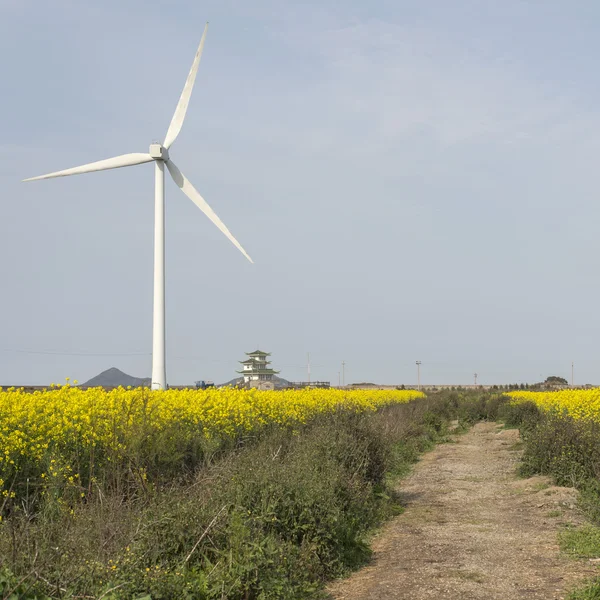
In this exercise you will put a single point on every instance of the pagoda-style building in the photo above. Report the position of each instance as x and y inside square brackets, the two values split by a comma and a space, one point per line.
[256, 370]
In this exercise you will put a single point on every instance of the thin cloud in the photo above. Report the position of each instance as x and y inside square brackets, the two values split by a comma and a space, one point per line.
[412, 81]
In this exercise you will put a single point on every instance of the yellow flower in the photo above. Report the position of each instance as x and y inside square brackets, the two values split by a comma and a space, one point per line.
[580, 404]
[45, 427]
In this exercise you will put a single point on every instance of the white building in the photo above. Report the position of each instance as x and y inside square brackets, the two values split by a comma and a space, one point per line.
[256, 370]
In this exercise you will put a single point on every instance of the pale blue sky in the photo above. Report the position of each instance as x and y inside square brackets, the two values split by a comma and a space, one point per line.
[414, 180]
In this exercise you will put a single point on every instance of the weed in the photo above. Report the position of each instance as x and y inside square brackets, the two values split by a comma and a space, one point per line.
[590, 592]
[582, 542]
[466, 575]
[541, 485]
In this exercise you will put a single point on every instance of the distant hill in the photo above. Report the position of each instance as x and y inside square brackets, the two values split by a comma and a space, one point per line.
[113, 377]
[279, 382]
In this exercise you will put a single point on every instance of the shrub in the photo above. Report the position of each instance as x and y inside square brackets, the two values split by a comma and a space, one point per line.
[562, 447]
[524, 415]
[480, 407]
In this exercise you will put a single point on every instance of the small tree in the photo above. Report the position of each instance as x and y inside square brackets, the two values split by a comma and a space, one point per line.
[555, 380]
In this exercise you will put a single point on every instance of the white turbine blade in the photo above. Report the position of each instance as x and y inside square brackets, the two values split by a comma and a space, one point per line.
[184, 100]
[125, 160]
[190, 191]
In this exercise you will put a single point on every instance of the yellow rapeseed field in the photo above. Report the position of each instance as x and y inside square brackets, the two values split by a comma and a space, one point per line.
[580, 404]
[54, 432]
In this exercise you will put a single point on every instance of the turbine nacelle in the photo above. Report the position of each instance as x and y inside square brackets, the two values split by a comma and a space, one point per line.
[158, 152]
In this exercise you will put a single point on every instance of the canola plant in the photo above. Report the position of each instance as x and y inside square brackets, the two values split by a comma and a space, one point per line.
[579, 404]
[63, 432]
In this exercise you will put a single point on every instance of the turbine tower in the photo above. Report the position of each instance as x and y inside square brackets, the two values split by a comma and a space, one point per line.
[159, 153]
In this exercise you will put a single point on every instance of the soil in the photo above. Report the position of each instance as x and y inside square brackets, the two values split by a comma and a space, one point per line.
[472, 529]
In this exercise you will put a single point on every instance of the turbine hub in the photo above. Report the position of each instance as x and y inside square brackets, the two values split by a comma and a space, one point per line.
[159, 152]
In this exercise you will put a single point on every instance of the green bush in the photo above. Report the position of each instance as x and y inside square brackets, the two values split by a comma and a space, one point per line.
[565, 448]
[12, 588]
[589, 499]
[477, 407]
[524, 415]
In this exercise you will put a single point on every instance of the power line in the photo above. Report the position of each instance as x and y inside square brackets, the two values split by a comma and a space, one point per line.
[59, 353]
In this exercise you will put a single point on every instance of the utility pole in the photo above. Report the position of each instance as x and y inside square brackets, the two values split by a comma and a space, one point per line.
[343, 373]
[308, 366]
[475, 376]
[418, 363]
[572, 374]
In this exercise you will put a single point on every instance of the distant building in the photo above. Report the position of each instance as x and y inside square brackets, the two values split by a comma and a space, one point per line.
[256, 370]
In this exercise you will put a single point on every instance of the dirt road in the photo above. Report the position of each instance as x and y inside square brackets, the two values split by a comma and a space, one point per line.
[472, 530]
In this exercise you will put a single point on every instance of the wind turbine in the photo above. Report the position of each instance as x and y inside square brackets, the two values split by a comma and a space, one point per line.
[159, 153]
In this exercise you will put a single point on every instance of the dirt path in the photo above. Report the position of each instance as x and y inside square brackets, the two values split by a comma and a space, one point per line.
[472, 530]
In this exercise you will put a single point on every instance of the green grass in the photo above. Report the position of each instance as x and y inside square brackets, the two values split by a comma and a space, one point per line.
[466, 575]
[590, 592]
[583, 542]
[540, 486]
